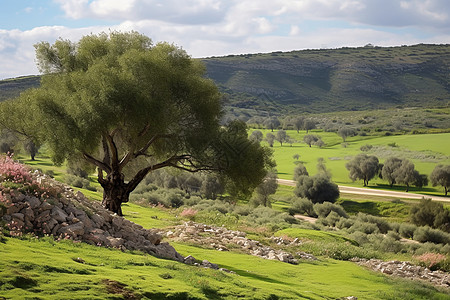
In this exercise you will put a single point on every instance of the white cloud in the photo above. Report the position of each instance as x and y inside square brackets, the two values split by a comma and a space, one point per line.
[219, 27]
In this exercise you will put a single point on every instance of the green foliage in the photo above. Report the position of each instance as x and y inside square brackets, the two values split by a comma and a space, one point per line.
[318, 188]
[441, 176]
[431, 213]
[363, 167]
[324, 209]
[300, 170]
[302, 206]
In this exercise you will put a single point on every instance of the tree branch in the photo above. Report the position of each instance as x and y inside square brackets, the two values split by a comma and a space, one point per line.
[97, 163]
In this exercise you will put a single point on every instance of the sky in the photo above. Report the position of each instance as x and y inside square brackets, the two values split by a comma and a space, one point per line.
[207, 28]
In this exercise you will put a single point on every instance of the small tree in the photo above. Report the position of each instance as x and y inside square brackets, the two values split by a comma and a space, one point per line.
[272, 123]
[363, 167]
[406, 174]
[319, 143]
[265, 189]
[389, 167]
[345, 132]
[296, 156]
[318, 188]
[309, 124]
[298, 123]
[441, 176]
[281, 136]
[31, 148]
[300, 170]
[310, 139]
[322, 168]
[270, 138]
[430, 213]
[257, 136]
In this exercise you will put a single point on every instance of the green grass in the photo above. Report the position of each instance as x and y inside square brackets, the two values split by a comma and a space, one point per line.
[336, 156]
[44, 269]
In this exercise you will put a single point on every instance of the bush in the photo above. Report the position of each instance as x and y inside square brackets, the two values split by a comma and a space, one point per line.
[302, 206]
[318, 188]
[407, 230]
[77, 181]
[366, 148]
[324, 209]
[242, 210]
[430, 213]
[383, 225]
[364, 227]
[427, 234]
[434, 261]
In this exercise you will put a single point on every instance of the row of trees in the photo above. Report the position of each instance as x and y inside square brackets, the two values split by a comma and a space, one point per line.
[282, 137]
[396, 171]
[272, 123]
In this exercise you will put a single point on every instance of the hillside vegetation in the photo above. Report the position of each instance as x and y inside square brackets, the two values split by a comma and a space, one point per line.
[324, 80]
[335, 79]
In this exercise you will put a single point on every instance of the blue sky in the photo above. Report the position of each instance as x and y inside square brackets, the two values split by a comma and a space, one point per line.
[220, 27]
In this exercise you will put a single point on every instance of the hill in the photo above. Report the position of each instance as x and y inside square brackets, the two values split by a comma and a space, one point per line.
[325, 80]
[10, 88]
[335, 79]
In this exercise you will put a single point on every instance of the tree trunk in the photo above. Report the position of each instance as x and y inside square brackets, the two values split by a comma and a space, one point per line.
[407, 187]
[446, 190]
[115, 192]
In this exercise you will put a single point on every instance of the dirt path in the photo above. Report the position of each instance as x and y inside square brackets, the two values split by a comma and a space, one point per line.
[372, 192]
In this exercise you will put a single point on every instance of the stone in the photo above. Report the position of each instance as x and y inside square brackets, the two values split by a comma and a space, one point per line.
[46, 206]
[74, 230]
[190, 260]
[58, 214]
[209, 265]
[18, 216]
[33, 202]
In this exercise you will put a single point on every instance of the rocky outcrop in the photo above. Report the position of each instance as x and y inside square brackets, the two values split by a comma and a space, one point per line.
[72, 216]
[221, 238]
[406, 269]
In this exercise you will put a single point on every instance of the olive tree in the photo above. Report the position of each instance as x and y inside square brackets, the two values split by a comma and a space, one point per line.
[310, 139]
[389, 167]
[441, 176]
[318, 188]
[281, 136]
[256, 135]
[345, 132]
[263, 191]
[270, 138]
[363, 167]
[130, 107]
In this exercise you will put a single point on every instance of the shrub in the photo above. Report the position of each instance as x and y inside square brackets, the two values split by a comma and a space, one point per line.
[430, 213]
[383, 225]
[365, 227]
[359, 237]
[366, 148]
[324, 209]
[318, 188]
[302, 206]
[427, 234]
[77, 181]
[13, 171]
[242, 210]
[434, 261]
[189, 213]
[407, 230]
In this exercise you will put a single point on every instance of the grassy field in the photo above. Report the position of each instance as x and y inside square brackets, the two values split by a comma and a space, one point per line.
[33, 268]
[425, 151]
[44, 269]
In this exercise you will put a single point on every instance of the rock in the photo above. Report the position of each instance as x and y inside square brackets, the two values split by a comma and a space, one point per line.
[46, 206]
[18, 216]
[74, 230]
[33, 202]
[58, 214]
[209, 265]
[190, 260]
